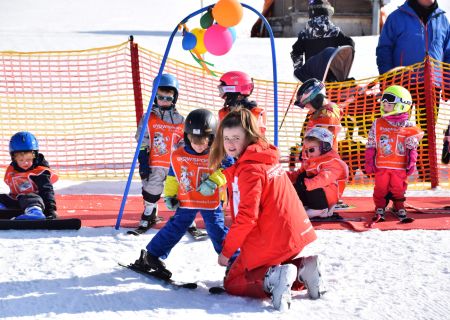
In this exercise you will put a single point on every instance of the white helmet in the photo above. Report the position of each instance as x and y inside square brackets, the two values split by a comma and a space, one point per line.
[324, 135]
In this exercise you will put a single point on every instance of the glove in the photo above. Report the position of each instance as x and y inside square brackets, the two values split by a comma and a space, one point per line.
[227, 162]
[50, 211]
[411, 162]
[172, 203]
[370, 161]
[207, 187]
[144, 168]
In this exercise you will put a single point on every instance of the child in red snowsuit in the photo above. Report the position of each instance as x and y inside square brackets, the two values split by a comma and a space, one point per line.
[391, 151]
[321, 179]
[269, 223]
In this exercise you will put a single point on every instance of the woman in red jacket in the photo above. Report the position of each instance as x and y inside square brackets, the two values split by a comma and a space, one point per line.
[270, 226]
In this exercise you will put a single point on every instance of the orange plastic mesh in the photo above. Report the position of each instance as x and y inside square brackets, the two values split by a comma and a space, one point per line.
[80, 105]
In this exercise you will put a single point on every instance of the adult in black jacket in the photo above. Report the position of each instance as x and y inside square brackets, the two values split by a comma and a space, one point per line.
[319, 34]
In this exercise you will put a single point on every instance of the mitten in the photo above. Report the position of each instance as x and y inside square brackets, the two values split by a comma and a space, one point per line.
[207, 187]
[370, 160]
[172, 203]
[227, 162]
[50, 211]
[144, 168]
[411, 161]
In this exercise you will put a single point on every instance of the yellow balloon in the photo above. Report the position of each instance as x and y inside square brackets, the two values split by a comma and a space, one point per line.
[199, 34]
[227, 13]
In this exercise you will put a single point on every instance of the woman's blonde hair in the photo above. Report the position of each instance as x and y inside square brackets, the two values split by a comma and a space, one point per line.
[239, 117]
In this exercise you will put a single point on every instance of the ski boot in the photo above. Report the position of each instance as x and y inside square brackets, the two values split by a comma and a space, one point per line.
[149, 217]
[278, 281]
[379, 215]
[309, 274]
[400, 214]
[150, 263]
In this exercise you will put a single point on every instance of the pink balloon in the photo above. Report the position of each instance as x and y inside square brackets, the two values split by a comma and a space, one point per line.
[218, 40]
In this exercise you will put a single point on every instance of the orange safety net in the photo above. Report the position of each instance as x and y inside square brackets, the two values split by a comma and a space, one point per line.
[81, 107]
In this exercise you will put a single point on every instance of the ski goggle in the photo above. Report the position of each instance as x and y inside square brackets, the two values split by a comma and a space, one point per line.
[390, 98]
[226, 89]
[164, 98]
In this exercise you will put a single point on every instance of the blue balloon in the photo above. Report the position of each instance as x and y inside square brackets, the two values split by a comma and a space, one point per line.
[189, 41]
[233, 33]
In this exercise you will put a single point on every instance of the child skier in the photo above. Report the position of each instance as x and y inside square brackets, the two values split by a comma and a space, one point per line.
[270, 226]
[321, 112]
[235, 88]
[164, 134]
[321, 179]
[391, 152]
[30, 180]
[190, 187]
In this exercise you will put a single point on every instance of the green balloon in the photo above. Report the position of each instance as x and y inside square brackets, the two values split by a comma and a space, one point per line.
[206, 20]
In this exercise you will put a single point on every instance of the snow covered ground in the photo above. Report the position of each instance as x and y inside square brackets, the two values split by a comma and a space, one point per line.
[74, 274]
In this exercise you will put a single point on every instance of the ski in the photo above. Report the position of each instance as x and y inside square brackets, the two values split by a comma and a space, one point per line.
[217, 290]
[337, 218]
[140, 230]
[164, 277]
[197, 234]
[45, 224]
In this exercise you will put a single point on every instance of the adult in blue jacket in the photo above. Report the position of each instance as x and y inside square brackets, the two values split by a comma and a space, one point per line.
[414, 29]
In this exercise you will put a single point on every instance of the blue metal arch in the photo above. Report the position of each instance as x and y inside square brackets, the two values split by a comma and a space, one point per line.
[156, 84]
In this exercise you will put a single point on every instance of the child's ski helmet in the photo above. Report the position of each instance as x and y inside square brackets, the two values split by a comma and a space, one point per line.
[324, 136]
[311, 91]
[236, 82]
[23, 141]
[398, 95]
[200, 122]
[169, 82]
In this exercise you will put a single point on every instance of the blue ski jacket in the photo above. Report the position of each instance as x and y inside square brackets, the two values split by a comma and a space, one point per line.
[405, 39]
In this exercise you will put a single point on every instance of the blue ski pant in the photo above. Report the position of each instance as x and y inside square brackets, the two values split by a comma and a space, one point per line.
[169, 235]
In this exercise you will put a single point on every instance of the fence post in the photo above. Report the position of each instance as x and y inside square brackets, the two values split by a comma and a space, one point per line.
[430, 98]
[138, 103]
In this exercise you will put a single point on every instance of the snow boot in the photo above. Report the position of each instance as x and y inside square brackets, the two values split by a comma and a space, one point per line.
[278, 282]
[32, 213]
[309, 274]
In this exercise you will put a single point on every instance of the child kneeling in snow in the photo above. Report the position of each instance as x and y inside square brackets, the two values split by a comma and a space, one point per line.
[321, 179]
[30, 180]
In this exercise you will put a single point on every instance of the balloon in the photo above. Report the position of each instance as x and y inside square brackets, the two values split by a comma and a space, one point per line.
[206, 20]
[218, 40]
[227, 13]
[199, 34]
[233, 33]
[189, 41]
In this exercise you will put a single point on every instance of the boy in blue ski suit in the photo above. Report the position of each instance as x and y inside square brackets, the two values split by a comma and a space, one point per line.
[190, 187]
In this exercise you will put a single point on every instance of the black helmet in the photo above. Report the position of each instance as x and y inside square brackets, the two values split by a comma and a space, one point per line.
[311, 91]
[200, 122]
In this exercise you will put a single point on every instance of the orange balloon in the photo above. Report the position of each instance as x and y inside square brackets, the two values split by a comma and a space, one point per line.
[227, 13]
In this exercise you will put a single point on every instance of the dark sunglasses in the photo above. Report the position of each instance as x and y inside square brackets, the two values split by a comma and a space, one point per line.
[164, 98]
[311, 150]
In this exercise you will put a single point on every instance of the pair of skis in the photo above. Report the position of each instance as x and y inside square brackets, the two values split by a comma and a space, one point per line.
[164, 276]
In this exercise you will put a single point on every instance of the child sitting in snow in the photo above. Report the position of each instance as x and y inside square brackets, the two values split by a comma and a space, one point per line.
[321, 179]
[391, 151]
[30, 180]
[190, 187]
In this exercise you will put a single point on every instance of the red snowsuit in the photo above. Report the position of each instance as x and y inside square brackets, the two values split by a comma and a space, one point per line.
[270, 225]
[328, 172]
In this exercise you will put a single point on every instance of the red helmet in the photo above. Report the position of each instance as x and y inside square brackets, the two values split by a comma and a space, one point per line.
[236, 81]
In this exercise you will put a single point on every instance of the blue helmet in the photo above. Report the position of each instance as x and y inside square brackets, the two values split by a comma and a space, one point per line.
[169, 82]
[23, 141]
